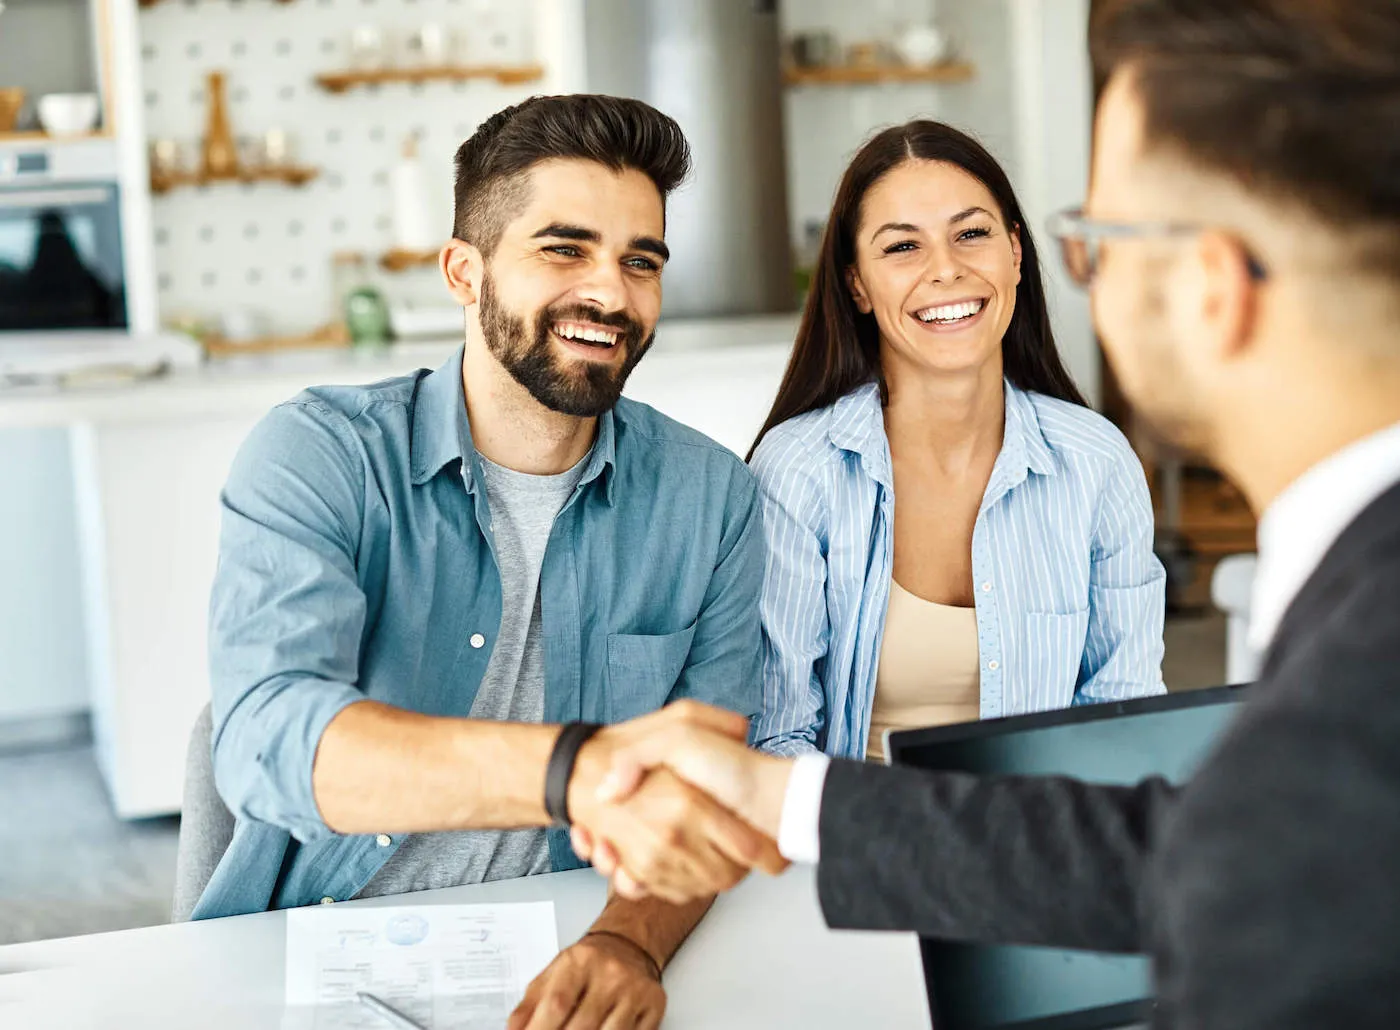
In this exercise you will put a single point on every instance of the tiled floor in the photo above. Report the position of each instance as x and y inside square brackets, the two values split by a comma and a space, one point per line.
[69, 866]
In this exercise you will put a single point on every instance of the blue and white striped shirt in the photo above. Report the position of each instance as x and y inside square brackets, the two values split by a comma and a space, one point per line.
[1070, 598]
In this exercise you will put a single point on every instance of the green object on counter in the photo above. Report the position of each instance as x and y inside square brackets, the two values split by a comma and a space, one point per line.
[802, 280]
[367, 317]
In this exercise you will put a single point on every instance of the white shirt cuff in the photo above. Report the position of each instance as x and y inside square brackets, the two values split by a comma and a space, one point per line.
[799, 835]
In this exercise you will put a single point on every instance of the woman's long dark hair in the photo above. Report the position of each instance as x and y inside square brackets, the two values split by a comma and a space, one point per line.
[838, 348]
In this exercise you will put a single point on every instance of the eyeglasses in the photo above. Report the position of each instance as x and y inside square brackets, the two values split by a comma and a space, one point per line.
[1081, 242]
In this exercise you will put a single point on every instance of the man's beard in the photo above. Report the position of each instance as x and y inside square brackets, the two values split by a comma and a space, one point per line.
[1158, 385]
[588, 388]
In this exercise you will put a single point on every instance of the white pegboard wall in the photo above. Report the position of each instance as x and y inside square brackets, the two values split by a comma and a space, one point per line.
[825, 126]
[268, 246]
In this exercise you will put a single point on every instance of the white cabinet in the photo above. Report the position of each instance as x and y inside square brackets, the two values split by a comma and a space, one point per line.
[42, 658]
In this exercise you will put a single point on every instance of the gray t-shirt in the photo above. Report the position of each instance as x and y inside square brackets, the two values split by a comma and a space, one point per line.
[523, 509]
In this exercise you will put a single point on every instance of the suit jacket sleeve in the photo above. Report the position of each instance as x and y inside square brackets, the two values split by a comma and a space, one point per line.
[1016, 860]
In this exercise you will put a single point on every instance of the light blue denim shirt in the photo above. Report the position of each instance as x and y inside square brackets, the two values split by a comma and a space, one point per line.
[1070, 597]
[356, 562]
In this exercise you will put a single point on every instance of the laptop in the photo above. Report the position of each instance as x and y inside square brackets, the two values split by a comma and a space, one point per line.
[993, 987]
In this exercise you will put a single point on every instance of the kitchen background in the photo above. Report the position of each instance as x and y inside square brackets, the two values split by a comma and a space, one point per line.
[326, 178]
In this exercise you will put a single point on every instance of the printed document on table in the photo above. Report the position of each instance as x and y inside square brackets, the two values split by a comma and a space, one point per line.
[449, 967]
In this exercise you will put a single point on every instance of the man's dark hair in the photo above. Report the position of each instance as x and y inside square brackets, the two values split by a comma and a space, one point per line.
[1298, 100]
[613, 131]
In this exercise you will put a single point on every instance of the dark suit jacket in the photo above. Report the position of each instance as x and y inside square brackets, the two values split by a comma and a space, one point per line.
[1267, 890]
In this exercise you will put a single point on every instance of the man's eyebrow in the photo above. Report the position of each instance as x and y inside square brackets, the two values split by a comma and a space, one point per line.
[560, 230]
[652, 245]
[564, 231]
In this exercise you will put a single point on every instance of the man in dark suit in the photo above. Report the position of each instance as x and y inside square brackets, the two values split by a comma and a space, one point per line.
[1242, 241]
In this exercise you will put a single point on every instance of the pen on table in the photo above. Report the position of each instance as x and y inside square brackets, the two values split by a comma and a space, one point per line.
[388, 1012]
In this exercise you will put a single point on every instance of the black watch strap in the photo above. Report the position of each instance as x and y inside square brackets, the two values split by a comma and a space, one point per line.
[560, 769]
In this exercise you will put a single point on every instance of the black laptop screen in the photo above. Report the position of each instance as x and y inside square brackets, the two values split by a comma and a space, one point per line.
[972, 987]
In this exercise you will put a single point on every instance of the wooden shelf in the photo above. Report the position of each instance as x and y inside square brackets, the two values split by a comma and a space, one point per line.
[292, 176]
[508, 75]
[397, 260]
[152, 3]
[39, 136]
[332, 335]
[860, 74]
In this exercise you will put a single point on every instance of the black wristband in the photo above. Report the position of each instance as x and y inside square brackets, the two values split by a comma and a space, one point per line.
[560, 769]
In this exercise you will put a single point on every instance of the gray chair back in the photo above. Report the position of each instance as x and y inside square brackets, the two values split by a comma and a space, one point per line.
[206, 824]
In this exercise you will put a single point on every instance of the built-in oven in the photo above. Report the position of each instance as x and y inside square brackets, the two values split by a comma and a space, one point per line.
[60, 242]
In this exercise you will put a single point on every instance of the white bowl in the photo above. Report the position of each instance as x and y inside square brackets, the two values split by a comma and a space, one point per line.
[68, 114]
[922, 46]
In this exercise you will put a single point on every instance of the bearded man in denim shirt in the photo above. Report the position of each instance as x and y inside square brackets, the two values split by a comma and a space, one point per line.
[419, 580]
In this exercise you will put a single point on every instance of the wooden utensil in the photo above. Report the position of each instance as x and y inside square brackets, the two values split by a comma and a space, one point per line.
[220, 154]
[11, 101]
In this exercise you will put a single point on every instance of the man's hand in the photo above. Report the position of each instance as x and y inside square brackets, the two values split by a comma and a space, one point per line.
[676, 843]
[747, 783]
[601, 983]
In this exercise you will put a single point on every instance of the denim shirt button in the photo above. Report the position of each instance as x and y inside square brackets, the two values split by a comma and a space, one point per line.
[328, 900]
[477, 640]
[383, 840]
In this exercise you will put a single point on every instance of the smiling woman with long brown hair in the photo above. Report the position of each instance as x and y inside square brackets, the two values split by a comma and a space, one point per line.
[1016, 572]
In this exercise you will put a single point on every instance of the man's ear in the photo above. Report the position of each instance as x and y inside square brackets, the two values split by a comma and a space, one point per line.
[1229, 295]
[858, 293]
[463, 269]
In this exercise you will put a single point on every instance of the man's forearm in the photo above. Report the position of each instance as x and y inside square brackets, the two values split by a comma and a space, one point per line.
[380, 768]
[659, 928]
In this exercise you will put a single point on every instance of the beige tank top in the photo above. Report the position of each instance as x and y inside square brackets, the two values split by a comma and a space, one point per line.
[929, 668]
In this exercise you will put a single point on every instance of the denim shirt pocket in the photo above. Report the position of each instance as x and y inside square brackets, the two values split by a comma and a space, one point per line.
[642, 670]
[1051, 653]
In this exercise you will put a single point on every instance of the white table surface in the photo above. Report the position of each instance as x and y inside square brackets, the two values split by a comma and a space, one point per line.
[762, 958]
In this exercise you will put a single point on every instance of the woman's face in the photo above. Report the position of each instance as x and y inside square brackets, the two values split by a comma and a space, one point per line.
[937, 266]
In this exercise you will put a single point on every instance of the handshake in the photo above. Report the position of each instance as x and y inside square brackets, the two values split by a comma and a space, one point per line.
[674, 805]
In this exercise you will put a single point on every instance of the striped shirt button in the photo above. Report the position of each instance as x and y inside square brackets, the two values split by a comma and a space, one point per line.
[994, 665]
[987, 587]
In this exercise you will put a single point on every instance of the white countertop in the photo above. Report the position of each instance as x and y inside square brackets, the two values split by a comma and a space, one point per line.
[234, 386]
[763, 957]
